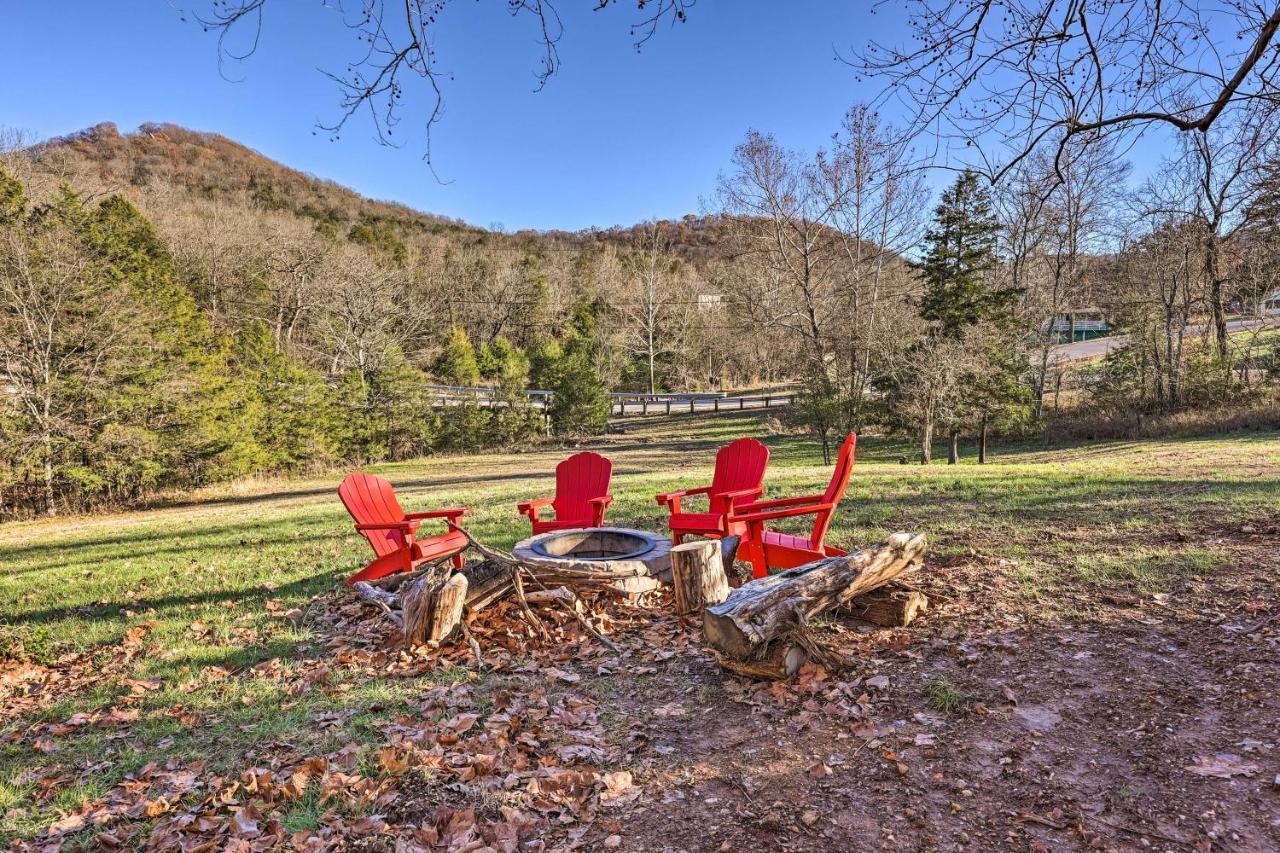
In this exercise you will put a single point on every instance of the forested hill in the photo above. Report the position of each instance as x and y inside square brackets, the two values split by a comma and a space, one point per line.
[212, 166]
[213, 313]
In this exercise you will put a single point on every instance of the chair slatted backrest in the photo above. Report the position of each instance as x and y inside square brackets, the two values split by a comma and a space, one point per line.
[836, 488]
[740, 464]
[580, 478]
[372, 500]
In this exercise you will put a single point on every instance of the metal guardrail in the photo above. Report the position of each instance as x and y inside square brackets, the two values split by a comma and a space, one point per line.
[627, 403]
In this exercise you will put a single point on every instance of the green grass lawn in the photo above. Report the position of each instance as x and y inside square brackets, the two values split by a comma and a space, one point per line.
[213, 591]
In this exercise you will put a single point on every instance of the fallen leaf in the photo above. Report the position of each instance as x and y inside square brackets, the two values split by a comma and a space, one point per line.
[1222, 765]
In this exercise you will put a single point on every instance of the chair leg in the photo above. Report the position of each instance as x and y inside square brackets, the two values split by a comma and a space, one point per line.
[457, 560]
[677, 538]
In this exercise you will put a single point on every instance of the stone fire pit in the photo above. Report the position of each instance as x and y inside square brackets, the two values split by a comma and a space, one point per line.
[631, 561]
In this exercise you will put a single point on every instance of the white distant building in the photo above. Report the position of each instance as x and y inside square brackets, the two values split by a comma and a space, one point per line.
[1271, 304]
[708, 300]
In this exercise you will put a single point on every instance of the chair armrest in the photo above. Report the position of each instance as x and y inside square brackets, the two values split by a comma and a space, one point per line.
[734, 494]
[761, 506]
[598, 507]
[667, 498]
[525, 506]
[439, 513]
[390, 525]
[757, 517]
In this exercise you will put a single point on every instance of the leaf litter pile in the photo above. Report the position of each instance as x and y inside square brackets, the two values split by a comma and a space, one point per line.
[1148, 723]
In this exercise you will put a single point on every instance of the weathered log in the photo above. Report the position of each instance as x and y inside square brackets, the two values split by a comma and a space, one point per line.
[551, 596]
[891, 606]
[764, 620]
[487, 581]
[388, 601]
[432, 610]
[729, 551]
[697, 575]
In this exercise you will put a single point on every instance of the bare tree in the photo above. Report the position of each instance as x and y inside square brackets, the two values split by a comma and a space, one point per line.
[369, 317]
[782, 220]
[653, 304]
[62, 322]
[877, 200]
[1057, 216]
[1222, 166]
[1004, 79]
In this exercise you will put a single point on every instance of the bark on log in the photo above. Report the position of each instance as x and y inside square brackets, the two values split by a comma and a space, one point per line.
[763, 621]
[892, 606]
[432, 610]
[487, 581]
[697, 576]
[729, 551]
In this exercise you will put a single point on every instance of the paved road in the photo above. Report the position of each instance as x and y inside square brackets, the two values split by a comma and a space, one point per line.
[1098, 347]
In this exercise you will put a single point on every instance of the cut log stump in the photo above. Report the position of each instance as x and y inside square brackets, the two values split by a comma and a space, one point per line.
[891, 606]
[487, 581]
[697, 575]
[432, 609]
[759, 629]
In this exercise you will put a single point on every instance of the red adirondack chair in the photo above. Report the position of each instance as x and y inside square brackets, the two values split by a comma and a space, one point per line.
[738, 479]
[769, 549]
[392, 532]
[582, 494]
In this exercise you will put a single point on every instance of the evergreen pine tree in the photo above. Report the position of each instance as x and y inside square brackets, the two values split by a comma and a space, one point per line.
[13, 198]
[456, 363]
[581, 404]
[959, 266]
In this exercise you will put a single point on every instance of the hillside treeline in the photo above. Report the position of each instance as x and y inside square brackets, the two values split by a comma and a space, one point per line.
[178, 310]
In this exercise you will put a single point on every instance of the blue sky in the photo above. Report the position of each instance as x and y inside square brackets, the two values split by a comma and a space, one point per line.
[617, 137]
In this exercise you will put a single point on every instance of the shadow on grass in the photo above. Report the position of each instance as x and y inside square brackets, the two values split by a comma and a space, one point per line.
[301, 588]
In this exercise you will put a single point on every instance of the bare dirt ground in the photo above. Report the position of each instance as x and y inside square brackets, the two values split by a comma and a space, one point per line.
[1154, 726]
[1149, 724]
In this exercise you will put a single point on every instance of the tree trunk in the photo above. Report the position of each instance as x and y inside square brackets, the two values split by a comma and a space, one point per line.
[697, 575]
[432, 610]
[982, 441]
[926, 443]
[953, 448]
[758, 629]
[1215, 296]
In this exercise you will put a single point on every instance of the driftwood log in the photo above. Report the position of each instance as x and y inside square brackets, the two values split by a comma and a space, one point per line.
[551, 596]
[388, 601]
[890, 606]
[760, 630]
[697, 576]
[433, 608]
